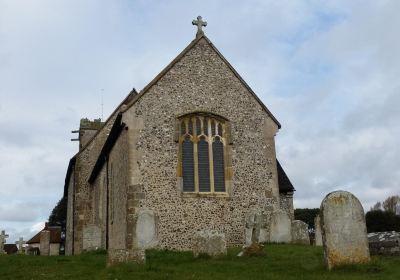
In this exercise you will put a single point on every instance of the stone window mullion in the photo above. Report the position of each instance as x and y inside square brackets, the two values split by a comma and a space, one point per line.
[196, 157]
[210, 158]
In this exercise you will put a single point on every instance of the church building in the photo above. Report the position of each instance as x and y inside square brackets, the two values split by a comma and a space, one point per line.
[194, 150]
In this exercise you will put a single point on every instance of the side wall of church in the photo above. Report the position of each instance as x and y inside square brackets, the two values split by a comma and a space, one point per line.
[286, 204]
[85, 161]
[118, 195]
[70, 211]
[99, 206]
[200, 81]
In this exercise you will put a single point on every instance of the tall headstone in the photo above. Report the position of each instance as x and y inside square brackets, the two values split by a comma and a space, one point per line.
[146, 229]
[3, 237]
[91, 237]
[20, 243]
[44, 243]
[318, 234]
[300, 233]
[344, 232]
[256, 227]
[281, 227]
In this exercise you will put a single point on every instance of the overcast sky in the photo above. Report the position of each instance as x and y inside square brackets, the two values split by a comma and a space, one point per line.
[328, 70]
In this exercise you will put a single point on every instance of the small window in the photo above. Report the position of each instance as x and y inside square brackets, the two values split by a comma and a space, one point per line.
[202, 147]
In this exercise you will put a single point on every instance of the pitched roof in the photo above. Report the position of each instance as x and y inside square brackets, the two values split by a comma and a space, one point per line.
[110, 141]
[179, 57]
[55, 235]
[283, 180]
[72, 161]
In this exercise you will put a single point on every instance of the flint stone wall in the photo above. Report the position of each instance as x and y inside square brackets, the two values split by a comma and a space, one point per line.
[82, 196]
[344, 232]
[286, 204]
[300, 233]
[200, 81]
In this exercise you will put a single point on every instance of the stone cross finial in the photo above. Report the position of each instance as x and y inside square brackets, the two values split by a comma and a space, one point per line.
[20, 243]
[3, 237]
[199, 23]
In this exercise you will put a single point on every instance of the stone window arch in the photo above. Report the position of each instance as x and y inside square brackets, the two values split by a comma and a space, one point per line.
[203, 161]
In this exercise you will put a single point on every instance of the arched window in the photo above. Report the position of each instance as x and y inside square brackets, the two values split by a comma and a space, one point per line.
[202, 142]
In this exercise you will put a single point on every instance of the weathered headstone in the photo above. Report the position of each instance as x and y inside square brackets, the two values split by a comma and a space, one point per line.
[255, 233]
[384, 243]
[280, 227]
[255, 228]
[3, 237]
[44, 245]
[146, 229]
[91, 237]
[300, 233]
[344, 233]
[209, 242]
[318, 234]
[20, 243]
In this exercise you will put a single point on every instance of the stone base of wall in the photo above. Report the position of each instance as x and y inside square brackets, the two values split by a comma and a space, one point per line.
[119, 256]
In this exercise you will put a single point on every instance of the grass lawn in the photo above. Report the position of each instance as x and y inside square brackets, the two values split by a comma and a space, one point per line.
[279, 262]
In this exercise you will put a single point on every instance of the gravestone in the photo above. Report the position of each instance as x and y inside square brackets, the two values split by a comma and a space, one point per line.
[146, 229]
[255, 228]
[91, 237]
[344, 233]
[281, 227]
[44, 245]
[318, 234]
[20, 245]
[209, 242]
[300, 233]
[255, 233]
[384, 243]
[3, 237]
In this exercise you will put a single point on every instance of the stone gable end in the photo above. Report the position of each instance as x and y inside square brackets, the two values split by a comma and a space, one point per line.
[200, 81]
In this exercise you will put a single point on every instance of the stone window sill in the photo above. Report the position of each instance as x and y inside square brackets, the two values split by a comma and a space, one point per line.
[205, 194]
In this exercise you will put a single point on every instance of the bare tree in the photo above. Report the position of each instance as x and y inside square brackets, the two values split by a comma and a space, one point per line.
[390, 203]
[377, 206]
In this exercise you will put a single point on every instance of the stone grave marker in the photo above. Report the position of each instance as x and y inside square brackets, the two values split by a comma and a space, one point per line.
[20, 243]
[318, 234]
[344, 232]
[3, 237]
[44, 245]
[91, 237]
[384, 243]
[210, 242]
[146, 229]
[300, 233]
[281, 227]
[255, 233]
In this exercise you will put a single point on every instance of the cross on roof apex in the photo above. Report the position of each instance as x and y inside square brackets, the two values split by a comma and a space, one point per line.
[199, 23]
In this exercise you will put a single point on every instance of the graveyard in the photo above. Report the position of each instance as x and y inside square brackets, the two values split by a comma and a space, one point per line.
[280, 261]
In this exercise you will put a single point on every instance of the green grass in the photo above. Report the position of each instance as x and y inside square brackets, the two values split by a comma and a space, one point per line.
[279, 262]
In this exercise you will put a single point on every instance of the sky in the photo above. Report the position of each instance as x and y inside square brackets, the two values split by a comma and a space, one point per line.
[327, 70]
